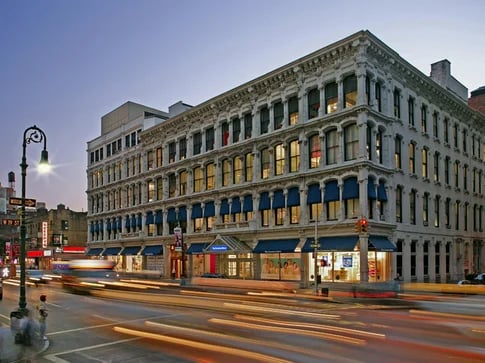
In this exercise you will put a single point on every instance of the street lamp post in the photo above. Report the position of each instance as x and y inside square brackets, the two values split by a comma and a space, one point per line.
[315, 251]
[31, 135]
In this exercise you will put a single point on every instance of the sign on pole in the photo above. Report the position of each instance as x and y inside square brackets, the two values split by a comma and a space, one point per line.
[18, 201]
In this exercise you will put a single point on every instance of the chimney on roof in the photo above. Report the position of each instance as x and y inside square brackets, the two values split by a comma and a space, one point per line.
[477, 100]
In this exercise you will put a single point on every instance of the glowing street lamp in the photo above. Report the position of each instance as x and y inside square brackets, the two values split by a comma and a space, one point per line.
[31, 135]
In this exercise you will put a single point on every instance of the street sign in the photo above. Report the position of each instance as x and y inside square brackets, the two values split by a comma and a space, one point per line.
[10, 222]
[18, 201]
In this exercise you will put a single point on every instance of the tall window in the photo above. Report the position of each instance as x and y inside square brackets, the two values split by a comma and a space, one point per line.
[225, 133]
[150, 158]
[197, 143]
[183, 182]
[159, 189]
[368, 143]
[331, 146]
[447, 212]
[248, 167]
[464, 136]
[397, 103]
[436, 168]
[264, 120]
[209, 139]
[172, 185]
[236, 130]
[412, 158]
[425, 208]
[183, 148]
[278, 113]
[379, 146]
[315, 151]
[226, 172]
[456, 213]
[378, 96]
[399, 204]
[151, 190]
[237, 170]
[465, 216]
[465, 177]
[424, 162]
[437, 211]
[159, 157]
[210, 175]
[265, 163]
[424, 119]
[412, 207]
[411, 110]
[446, 125]
[351, 134]
[313, 103]
[397, 152]
[331, 97]
[350, 91]
[455, 136]
[447, 170]
[279, 152]
[198, 179]
[172, 152]
[435, 124]
[293, 110]
[456, 170]
[294, 156]
[367, 90]
[248, 126]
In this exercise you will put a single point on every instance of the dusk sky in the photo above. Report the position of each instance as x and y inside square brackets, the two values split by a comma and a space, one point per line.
[66, 63]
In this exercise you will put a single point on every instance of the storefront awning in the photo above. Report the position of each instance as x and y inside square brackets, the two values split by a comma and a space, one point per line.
[276, 245]
[94, 252]
[223, 244]
[152, 250]
[111, 251]
[381, 243]
[337, 243]
[130, 250]
[196, 248]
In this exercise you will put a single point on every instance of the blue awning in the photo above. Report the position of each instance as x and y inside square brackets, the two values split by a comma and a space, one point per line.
[182, 213]
[248, 203]
[264, 202]
[371, 189]
[381, 192]
[351, 189]
[196, 211]
[276, 245]
[196, 248]
[130, 250]
[171, 215]
[338, 243]
[314, 194]
[159, 217]
[111, 251]
[381, 243]
[209, 209]
[278, 199]
[149, 219]
[152, 250]
[94, 252]
[293, 197]
[224, 207]
[331, 191]
[236, 205]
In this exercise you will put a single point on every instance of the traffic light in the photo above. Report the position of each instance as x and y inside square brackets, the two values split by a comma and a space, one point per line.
[357, 227]
[64, 225]
[364, 226]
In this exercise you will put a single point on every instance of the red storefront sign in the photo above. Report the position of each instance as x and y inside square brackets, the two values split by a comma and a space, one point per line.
[74, 249]
[35, 253]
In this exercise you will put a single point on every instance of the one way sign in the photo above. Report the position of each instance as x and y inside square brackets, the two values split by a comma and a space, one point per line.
[18, 201]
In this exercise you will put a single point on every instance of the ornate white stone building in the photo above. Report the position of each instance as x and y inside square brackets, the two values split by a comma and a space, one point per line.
[252, 176]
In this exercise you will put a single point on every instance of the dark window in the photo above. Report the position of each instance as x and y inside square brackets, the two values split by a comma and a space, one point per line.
[278, 115]
[197, 143]
[350, 91]
[313, 103]
[225, 133]
[236, 130]
[331, 97]
[248, 126]
[209, 139]
[264, 119]
[172, 152]
[183, 148]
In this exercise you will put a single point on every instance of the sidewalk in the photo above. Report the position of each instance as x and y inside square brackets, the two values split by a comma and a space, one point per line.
[11, 352]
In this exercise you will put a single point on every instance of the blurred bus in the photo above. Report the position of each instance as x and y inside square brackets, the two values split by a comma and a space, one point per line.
[84, 275]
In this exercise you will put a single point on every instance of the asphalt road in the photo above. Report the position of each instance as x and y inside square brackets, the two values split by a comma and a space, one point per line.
[182, 325]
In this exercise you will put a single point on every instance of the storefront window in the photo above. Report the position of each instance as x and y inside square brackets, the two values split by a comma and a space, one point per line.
[281, 266]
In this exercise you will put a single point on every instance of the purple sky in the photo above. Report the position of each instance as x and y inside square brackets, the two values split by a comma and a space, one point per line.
[66, 63]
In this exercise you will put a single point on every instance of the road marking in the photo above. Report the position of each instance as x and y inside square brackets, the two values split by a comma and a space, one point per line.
[104, 325]
[54, 357]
